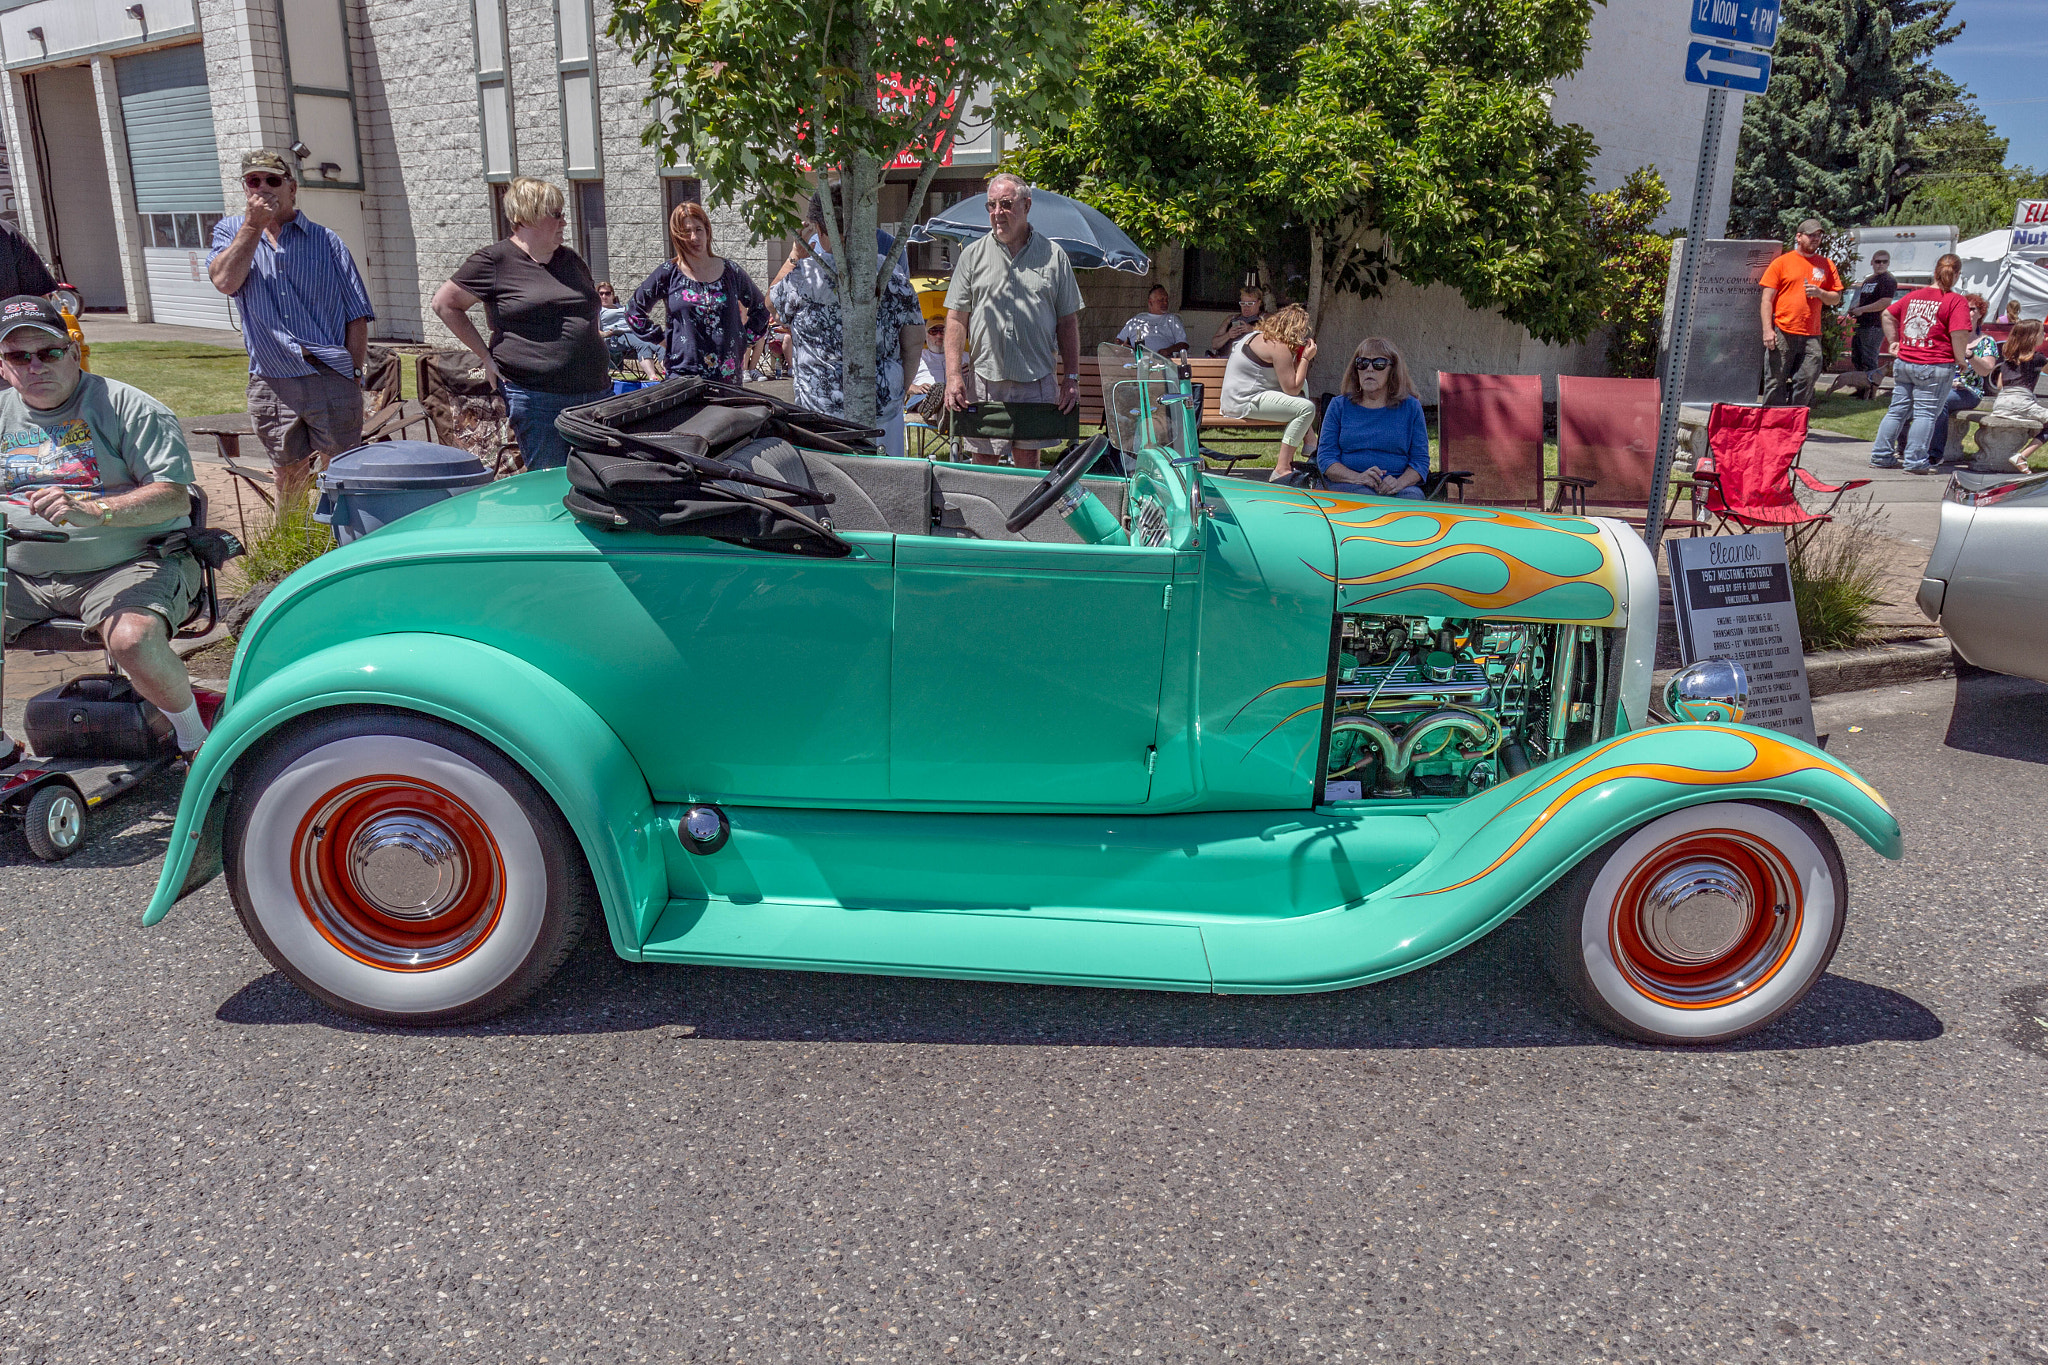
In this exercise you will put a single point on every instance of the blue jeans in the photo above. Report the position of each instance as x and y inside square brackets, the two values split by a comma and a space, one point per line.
[533, 413]
[1962, 400]
[1918, 391]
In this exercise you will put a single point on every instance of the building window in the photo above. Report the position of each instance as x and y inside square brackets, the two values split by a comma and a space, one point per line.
[679, 189]
[181, 231]
[591, 244]
[494, 89]
[320, 80]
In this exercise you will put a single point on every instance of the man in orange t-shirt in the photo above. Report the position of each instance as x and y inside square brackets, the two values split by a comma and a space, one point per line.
[1795, 287]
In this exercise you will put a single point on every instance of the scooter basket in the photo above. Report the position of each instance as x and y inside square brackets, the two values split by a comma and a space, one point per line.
[99, 715]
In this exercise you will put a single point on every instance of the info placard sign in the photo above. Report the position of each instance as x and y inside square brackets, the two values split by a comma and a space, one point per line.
[1726, 363]
[1733, 595]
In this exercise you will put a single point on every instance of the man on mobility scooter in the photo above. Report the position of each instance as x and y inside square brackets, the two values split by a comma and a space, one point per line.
[93, 484]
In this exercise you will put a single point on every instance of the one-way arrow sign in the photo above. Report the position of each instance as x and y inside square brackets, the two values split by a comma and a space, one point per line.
[1728, 67]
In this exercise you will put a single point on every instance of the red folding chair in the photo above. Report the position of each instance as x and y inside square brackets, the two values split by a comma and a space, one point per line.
[1752, 484]
[1607, 450]
[1490, 436]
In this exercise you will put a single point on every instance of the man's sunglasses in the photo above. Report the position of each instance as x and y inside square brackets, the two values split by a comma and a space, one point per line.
[263, 182]
[1371, 362]
[49, 355]
[1006, 205]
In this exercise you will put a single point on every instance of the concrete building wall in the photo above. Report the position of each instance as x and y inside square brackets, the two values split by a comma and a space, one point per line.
[88, 248]
[1632, 95]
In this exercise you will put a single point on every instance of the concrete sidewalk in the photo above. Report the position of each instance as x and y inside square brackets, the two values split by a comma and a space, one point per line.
[100, 327]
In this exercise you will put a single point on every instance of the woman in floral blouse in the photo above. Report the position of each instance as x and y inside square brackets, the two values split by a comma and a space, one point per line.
[715, 312]
[807, 299]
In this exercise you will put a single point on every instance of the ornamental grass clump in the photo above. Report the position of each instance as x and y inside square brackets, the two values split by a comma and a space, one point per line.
[290, 541]
[1835, 579]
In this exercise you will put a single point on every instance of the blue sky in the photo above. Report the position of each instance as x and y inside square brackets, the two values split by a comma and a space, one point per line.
[2001, 58]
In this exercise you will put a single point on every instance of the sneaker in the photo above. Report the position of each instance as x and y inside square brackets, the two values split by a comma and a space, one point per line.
[1880, 462]
[1919, 469]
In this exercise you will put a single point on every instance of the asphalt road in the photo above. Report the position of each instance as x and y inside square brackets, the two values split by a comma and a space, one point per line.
[658, 1163]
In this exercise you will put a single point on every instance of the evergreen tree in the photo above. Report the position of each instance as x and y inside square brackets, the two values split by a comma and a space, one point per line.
[1835, 136]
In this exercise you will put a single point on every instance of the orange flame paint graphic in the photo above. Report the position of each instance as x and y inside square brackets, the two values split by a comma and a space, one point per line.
[1525, 580]
[1318, 681]
[1771, 758]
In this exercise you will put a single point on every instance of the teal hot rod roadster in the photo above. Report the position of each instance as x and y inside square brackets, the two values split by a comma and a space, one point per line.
[1166, 731]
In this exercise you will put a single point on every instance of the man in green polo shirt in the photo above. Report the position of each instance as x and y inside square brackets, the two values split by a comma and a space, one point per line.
[1012, 298]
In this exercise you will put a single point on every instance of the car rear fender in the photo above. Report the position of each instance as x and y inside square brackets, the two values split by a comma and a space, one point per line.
[526, 714]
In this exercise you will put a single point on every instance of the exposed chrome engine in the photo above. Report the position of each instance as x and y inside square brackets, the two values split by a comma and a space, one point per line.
[1447, 706]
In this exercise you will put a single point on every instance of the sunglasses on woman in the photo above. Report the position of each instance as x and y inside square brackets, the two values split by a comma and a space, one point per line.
[1371, 362]
[263, 182]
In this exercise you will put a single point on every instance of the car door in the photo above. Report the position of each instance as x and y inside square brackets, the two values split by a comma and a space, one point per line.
[754, 676]
[1026, 672]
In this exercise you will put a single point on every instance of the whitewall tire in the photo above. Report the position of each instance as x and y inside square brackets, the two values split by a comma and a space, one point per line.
[402, 870]
[1701, 925]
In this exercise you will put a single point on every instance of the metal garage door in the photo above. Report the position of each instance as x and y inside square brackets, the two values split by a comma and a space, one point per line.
[176, 167]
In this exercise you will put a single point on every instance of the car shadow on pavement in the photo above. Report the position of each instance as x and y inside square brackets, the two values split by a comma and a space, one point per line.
[1997, 715]
[1491, 995]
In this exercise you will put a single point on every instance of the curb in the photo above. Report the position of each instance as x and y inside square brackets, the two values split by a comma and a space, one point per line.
[1852, 670]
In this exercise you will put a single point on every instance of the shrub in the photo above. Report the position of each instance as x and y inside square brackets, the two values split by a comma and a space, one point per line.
[1634, 263]
[1835, 581]
[292, 539]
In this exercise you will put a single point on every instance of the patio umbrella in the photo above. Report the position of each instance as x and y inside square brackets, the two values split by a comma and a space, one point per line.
[1090, 240]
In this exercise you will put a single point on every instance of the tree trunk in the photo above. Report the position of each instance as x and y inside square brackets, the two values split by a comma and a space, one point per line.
[1315, 278]
[861, 186]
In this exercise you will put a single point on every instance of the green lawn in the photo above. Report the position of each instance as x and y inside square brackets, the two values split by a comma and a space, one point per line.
[192, 380]
[1848, 416]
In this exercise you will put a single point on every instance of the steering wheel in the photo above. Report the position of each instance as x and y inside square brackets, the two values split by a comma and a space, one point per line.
[1055, 484]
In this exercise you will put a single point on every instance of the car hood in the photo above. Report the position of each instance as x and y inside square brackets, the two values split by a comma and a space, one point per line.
[1408, 558]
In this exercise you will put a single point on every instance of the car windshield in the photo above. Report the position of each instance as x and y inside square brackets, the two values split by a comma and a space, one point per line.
[1150, 413]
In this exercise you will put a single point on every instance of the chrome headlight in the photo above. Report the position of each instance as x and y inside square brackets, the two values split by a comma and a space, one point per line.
[1710, 690]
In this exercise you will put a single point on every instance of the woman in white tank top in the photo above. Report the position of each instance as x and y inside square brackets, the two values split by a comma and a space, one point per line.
[1264, 378]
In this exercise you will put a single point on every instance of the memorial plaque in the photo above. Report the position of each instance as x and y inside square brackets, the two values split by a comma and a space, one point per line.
[1727, 360]
[1733, 596]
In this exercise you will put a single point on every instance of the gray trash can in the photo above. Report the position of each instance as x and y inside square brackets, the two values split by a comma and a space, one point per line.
[365, 488]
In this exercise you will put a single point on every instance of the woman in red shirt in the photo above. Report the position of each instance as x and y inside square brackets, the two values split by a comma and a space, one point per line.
[1929, 331]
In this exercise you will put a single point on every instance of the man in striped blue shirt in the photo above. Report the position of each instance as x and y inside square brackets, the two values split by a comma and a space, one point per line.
[305, 319]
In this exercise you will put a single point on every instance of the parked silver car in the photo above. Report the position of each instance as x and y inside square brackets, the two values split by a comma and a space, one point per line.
[1987, 580]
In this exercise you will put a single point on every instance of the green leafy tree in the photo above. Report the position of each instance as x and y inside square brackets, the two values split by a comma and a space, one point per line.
[1407, 136]
[1634, 263]
[769, 100]
[1961, 176]
[1835, 135]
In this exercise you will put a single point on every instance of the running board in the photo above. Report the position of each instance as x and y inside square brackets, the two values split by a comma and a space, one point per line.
[959, 944]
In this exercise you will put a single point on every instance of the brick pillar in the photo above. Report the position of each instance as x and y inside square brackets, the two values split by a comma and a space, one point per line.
[106, 94]
[21, 157]
[246, 78]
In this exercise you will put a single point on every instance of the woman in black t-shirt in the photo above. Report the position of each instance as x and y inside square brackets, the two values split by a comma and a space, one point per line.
[546, 351]
[2020, 362]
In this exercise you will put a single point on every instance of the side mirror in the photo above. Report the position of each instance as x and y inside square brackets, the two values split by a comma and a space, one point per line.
[1710, 690]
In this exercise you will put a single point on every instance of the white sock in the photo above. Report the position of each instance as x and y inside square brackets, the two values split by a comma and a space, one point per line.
[191, 730]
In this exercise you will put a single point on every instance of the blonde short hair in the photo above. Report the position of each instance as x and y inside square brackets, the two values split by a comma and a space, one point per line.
[1289, 326]
[529, 201]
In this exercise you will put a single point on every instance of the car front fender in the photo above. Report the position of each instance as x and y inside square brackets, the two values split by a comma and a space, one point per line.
[526, 714]
[1498, 851]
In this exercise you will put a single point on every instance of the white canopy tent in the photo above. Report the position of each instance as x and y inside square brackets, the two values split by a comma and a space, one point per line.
[2008, 264]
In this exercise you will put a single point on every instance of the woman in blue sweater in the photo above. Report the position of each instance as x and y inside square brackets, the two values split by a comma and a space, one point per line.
[1373, 433]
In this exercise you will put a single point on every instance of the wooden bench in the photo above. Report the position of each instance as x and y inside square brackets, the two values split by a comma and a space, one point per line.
[1208, 374]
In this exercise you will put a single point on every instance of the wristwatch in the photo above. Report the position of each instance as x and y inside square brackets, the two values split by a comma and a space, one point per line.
[1075, 377]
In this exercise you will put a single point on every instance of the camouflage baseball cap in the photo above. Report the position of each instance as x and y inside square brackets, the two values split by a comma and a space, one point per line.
[263, 159]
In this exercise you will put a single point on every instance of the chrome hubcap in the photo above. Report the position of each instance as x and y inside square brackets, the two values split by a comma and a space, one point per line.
[1696, 912]
[407, 866]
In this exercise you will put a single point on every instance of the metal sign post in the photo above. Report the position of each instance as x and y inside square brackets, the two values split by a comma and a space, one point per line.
[1681, 327]
[1736, 56]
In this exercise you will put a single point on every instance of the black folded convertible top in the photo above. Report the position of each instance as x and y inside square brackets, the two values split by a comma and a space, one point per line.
[678, 458]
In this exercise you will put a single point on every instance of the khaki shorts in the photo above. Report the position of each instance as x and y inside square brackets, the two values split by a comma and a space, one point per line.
[165, 588]
[1046, 390]
[297, 416]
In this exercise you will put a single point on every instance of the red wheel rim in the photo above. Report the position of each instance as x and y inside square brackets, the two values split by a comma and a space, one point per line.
[398, 873]
[1705, 919]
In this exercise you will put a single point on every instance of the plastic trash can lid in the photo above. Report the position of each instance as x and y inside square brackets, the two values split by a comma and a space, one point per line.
[404, 464]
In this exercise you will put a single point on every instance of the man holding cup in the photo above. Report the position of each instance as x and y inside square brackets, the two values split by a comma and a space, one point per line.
[1795, 288]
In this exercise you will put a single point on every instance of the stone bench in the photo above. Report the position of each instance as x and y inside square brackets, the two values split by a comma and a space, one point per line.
[1998, 438]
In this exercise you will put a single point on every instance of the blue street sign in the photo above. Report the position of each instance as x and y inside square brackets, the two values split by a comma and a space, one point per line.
[1750, 23]
[1732, 68]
